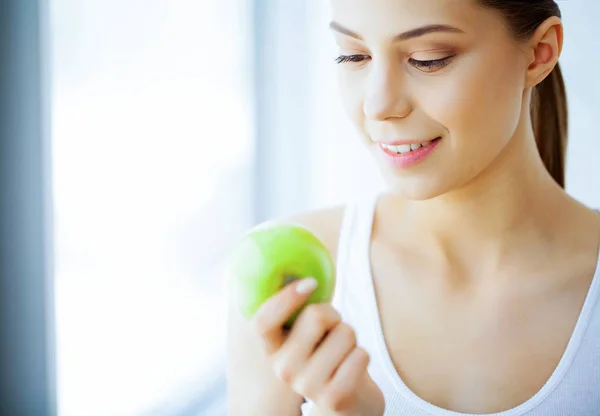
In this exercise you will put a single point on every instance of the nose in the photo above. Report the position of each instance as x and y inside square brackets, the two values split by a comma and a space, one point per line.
[386, 94]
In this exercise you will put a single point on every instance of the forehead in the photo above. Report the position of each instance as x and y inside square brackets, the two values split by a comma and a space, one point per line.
[385, 18]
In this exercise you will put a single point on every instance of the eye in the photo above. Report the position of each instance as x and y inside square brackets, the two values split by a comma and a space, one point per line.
[351, 58]
[431, 66]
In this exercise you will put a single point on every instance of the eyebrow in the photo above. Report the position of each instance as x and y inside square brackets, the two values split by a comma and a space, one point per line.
[413, 33]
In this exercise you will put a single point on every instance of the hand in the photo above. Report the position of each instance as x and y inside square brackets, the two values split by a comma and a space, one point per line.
[318, 357]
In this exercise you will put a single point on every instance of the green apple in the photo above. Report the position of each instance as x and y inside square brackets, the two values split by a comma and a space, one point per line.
[265, 259]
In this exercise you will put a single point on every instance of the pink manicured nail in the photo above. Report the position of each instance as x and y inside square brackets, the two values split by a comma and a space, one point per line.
[306, 285]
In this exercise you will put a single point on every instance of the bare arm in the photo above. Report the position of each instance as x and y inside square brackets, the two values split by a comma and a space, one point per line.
[253, 389]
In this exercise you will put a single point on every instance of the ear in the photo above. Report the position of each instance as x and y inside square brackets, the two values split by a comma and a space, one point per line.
[545, 47]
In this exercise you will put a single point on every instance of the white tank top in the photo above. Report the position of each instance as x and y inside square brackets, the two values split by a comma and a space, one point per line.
[573, 388]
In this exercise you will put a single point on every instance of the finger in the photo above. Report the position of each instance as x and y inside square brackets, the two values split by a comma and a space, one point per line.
[312, 325]
[330, 354]
[342, 389]
[275, 311]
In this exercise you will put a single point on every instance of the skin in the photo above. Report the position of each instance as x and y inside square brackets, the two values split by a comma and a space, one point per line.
[475, 248]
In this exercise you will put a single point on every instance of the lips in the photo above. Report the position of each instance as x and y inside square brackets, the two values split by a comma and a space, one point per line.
[408, 153]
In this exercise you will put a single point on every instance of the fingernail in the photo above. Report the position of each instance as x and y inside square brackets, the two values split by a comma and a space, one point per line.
[306, 285]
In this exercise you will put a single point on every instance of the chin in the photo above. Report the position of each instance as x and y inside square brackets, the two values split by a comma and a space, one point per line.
[418, 189]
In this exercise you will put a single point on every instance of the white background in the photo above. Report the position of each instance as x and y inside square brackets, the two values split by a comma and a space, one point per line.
[152, 157]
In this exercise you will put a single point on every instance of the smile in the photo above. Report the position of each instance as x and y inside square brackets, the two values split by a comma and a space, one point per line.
[408, 154]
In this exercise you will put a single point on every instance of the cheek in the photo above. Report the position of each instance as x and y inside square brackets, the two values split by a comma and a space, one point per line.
[479, 103]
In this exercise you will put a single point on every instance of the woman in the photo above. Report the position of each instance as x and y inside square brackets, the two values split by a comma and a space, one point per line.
[471, 285]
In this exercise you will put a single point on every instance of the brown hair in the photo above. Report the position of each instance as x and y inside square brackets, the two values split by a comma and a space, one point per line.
[549, 112]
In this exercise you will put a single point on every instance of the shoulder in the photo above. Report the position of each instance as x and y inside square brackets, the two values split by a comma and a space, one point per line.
[324, 223]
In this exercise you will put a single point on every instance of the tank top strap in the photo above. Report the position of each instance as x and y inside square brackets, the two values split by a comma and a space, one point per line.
[364, 225]
[354, 238]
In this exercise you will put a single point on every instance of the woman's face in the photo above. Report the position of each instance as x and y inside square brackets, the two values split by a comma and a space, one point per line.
[461, 79]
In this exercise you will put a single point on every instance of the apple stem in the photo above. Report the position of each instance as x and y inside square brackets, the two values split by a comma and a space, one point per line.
[288, 279]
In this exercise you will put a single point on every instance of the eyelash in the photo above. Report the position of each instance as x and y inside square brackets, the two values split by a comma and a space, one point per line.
[342, 59]
[433, 64]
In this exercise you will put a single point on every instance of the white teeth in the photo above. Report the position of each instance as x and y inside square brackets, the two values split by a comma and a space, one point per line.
[392, 148]
[404, 148]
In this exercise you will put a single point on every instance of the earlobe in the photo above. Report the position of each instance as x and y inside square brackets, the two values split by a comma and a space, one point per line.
[546, 46]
